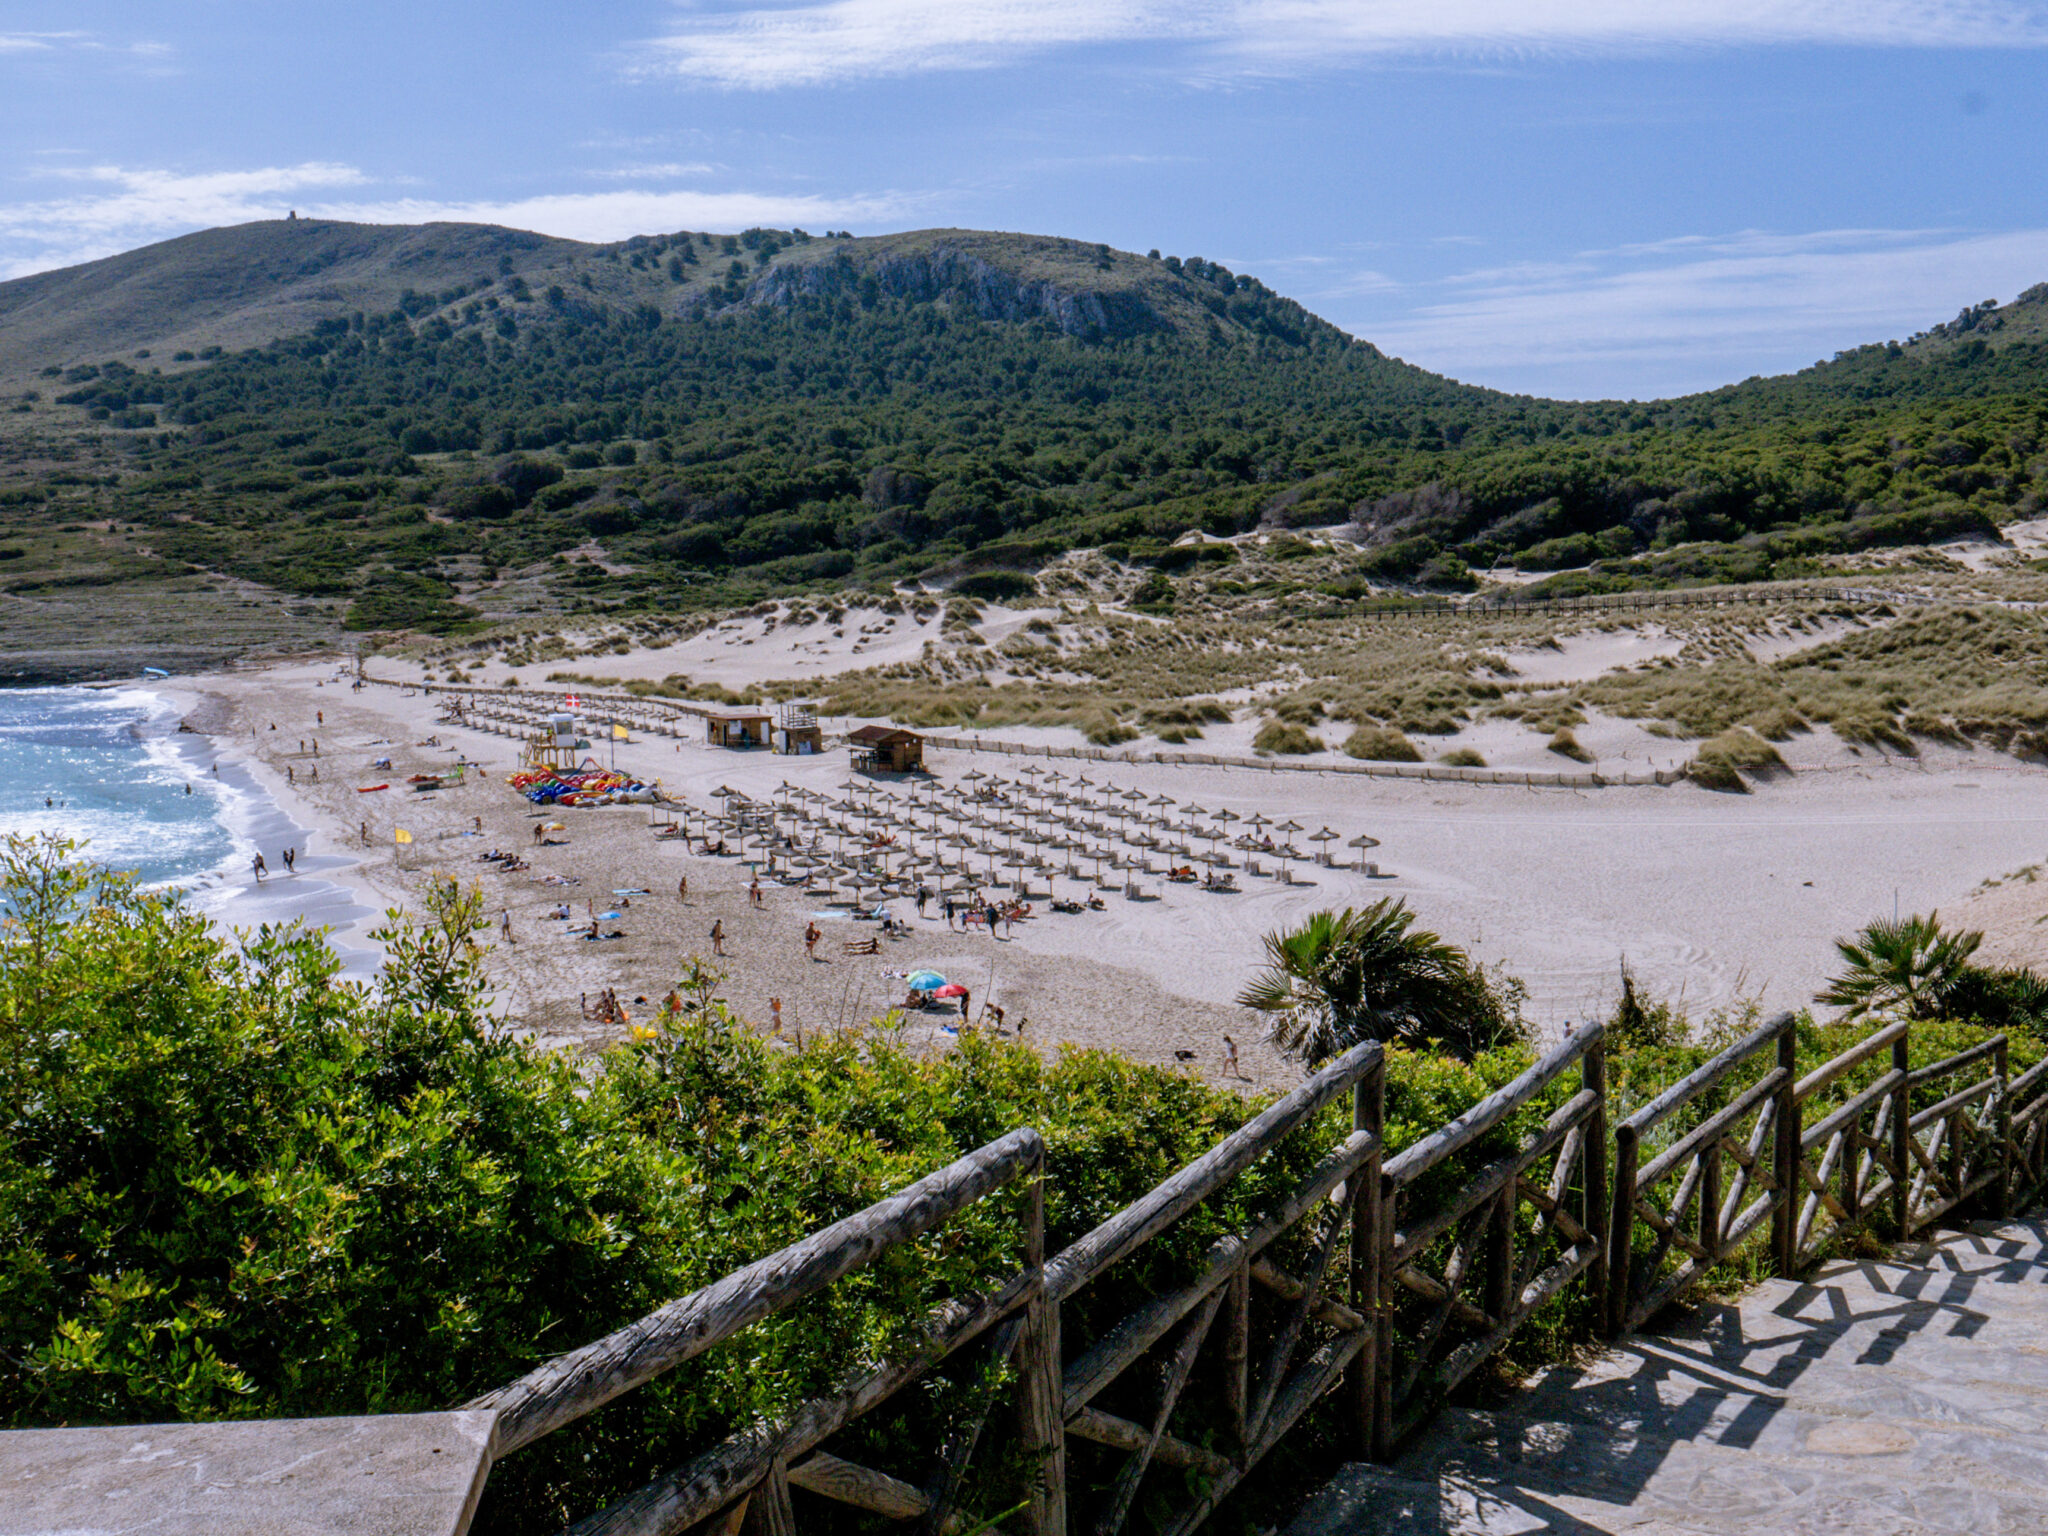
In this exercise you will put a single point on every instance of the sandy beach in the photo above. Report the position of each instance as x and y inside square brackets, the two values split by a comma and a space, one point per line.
[1709, 898]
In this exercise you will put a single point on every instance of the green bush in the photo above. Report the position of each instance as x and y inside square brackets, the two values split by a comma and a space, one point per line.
[996, 586]
[235, 1186]
[1462, 757]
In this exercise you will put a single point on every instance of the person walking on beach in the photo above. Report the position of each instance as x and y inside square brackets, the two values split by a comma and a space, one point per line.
[682, 888]
[811, 937]
[290, 777]
[1230, 1067]
[993, 916]
[260, 867]
[947, 905]
[366, 834]
[536, 834]
[505, 925]
[966, 997]
[718, 936]
[924, 894]
[754, 892]
[291, 858]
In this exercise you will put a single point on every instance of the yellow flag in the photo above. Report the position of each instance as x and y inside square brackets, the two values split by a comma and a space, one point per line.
[619, 733]
[401, 834]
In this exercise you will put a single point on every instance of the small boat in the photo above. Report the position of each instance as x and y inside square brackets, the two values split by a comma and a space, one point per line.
[154, 672]
[365, 789]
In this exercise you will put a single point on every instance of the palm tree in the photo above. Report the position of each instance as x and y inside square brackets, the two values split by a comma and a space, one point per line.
[1345, 977]
[1907, 966]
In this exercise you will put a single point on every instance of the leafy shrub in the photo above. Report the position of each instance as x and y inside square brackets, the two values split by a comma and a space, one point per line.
[233, 1185]
[1154, 593]
[996, 586]
[1378, 744]
[1462, 757]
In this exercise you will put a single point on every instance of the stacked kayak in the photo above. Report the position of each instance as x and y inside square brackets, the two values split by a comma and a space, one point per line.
[589, 785]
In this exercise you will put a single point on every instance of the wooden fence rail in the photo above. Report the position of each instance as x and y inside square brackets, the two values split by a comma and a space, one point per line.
[1386, 1280]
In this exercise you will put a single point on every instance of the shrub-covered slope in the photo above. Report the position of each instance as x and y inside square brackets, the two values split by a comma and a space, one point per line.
[728, 416]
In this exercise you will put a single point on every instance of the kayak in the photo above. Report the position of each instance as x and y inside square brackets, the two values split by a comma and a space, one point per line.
[364, 789]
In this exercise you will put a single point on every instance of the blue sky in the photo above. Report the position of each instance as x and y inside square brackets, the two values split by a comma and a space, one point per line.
[1572, 197]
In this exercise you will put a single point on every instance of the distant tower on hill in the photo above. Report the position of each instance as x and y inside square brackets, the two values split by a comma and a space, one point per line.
[293, 215]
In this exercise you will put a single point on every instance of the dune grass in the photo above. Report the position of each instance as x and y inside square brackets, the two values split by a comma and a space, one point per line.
[1377, 744]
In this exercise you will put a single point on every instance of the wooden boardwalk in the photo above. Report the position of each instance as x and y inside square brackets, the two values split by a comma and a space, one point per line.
[1871, 1398]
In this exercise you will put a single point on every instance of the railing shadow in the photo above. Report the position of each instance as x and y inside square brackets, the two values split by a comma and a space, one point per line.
[1740, 1376]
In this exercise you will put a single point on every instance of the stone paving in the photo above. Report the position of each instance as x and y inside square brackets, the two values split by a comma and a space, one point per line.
[1871, 1398]
[408, 1474]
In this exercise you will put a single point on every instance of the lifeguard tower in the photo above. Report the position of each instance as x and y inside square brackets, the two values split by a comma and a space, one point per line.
[797, 733]
[555, 745]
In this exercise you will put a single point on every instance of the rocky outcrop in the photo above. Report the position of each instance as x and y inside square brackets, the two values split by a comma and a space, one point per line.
[965, 279]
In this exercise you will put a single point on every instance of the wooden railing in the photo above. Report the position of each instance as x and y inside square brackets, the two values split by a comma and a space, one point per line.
[1311, 1338]
[1434, 1336]
[1384, 1280]
[748, 1478]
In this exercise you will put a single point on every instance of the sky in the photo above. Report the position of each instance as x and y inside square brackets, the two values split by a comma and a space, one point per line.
[1579, 198]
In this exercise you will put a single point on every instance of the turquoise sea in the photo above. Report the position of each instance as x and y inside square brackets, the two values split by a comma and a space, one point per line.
[108, 767]
[104, 766]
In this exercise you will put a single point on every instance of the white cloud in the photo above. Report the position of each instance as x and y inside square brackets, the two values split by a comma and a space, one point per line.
[37, 42]
[108, 209]
[114, 208]
[823, 41]
[1615, 324]
[665, 171]
[41, 43]
[615, 215]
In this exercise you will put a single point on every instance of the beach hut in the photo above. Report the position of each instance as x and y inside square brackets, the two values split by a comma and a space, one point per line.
[797, 732]
[886, 749]
[742, 727]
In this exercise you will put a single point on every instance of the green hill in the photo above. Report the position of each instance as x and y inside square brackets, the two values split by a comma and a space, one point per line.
[414, 416]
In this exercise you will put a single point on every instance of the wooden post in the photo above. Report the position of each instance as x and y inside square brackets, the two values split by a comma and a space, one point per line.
[2001, 1125]
[1785, 1165]
[1368, 1106]
[768, 1511]
[1387, 1207]
[1852, 1158]
[1710, 1198]
[1593, 1172]
[1038, 1358]
[1500, 1255]
[1902, 1140]
[1236, 1353]
[1620, 1229]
